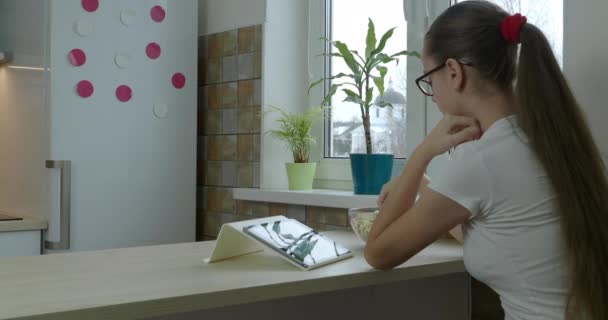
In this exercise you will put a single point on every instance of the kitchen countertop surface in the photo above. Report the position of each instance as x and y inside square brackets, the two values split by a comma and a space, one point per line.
[28, 223]
[169, 279]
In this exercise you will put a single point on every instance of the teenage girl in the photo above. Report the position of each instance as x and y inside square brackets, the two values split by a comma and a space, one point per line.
[525, 185]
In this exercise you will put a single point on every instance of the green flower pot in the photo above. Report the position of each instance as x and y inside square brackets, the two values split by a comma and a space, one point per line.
[300, 175]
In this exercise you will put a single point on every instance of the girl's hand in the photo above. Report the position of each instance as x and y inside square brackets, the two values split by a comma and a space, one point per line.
[390, 186]
[449, 133]
[386, 189]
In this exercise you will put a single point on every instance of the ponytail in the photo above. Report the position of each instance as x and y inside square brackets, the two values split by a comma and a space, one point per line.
[554, 123]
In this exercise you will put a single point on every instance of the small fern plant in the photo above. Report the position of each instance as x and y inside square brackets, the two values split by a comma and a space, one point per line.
[294, 130]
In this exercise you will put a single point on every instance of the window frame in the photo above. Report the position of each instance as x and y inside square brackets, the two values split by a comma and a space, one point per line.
[334, 172]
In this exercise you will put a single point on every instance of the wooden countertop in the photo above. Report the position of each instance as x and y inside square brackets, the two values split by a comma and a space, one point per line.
[29, 222]
[160, 280]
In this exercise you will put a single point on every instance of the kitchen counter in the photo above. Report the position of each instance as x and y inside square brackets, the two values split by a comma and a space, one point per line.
[28, 223]
[170, 279]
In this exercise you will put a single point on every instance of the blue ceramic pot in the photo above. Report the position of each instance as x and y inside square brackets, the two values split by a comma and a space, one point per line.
[370, 171]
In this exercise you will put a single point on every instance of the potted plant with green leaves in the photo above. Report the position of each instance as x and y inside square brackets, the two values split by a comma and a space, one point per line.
[364, 82]
[294, 130]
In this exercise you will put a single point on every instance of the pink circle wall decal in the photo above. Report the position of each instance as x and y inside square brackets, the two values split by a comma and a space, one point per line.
[124, 93]
[77, 57]
[178, 80]
[90, 5]
[153, 50]
[85, 89]
[157, 13]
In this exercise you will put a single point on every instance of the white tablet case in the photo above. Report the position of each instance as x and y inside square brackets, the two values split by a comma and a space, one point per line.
[234, 242]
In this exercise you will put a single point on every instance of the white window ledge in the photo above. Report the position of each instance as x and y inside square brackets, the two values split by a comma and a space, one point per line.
[317, 197]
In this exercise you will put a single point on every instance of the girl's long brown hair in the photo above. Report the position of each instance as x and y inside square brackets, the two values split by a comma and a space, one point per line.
[551, 118]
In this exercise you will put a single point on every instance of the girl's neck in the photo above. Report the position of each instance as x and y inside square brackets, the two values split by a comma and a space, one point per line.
[491, 108]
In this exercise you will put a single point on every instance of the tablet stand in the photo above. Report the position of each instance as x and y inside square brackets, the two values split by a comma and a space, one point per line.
[233, 242]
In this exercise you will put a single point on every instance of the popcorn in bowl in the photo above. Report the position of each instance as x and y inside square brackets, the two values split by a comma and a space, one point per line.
[361, 220]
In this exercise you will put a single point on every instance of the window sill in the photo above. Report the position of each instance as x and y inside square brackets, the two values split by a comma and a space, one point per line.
[316, 197]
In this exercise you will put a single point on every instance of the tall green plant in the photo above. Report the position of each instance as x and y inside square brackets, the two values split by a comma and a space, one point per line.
[294, 130]
[364, 69]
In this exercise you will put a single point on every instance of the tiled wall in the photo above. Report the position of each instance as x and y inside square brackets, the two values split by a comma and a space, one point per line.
[230, 80]
[229, 136]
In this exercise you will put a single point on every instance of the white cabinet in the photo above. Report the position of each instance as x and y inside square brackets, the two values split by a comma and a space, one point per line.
[20, 243]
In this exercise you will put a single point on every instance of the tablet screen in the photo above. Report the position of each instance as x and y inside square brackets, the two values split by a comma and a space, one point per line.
[298, 242]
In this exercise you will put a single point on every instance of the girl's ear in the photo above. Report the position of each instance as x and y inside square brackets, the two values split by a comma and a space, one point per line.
[456, 75]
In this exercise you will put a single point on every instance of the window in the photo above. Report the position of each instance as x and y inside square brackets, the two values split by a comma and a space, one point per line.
[344, 133]
[547, 15]
[347, 20]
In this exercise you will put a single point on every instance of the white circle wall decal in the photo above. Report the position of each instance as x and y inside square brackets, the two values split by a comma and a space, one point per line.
[83, 28]
[128, 16]
[161, 110]
[122, 60]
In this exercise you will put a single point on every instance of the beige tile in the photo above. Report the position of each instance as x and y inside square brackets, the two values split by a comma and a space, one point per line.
[213, 96]
[245, 147]
[258, 38]
[261, 209]
[257, 148]
[228, 92]
[257, 67]
[215, 46]
[256, 174]
[200, 223]
[201, 197]
[297, 212]
[201, 172]
[246, 39]
[329, 227]
[257, 119]
[316, 226]
[228, 149]
[201, 122]
[213, 121]
[202, 70]
[201, 147]
[336, 216]
[246, 66]
[315, 215]
[214, 70]
[230, 39]
[244, 208]
[228, 202]
[229, 121]
[213, 173]
[257, 92]
[278, 209]
[229, 68]
[230, 173]
[201, 97]
[245, 175]
[245, 93]
[206, 238]
[214, 200]
[214, 148]
[245, 120]
[203, 46]
[213, 223]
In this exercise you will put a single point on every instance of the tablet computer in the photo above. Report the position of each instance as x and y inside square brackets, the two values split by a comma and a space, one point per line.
[298, 243]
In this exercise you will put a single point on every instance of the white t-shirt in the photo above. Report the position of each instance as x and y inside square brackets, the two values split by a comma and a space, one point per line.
[512, 241]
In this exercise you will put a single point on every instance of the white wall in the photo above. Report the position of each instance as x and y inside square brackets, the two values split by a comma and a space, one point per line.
[285, 73]
[223, 15]
[585, 64]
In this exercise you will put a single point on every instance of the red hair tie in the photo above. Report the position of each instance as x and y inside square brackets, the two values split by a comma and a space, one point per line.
[511, 27]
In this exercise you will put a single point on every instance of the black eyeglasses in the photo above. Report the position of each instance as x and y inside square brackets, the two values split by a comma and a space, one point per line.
[426, 85]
